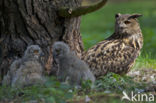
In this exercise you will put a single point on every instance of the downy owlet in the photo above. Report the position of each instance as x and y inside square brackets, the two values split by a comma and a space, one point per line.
[71, 68]
[26, 71]
[118, 52]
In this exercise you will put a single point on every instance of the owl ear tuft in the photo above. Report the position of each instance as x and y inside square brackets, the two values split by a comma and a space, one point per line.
[134, 16]
[117, 15]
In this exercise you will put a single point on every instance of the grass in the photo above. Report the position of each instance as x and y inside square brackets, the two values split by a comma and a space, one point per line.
[96, 27]
[108, 88]
[145, 61]
[51, 92]
[99, 25]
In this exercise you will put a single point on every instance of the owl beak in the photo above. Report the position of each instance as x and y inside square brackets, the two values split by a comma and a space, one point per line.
[122, 26]
[36, 56]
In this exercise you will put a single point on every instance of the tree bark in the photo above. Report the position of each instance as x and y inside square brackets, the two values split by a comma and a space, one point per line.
[26, 22]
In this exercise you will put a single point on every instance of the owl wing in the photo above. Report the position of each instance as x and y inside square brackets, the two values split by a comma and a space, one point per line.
[6, 80]
[13, 68]
[19, 79]
[110, 56]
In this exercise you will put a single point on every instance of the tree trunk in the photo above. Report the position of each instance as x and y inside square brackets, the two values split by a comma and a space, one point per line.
[41, 22]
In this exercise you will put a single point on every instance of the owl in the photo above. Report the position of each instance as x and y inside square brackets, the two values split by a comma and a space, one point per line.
[118, 52]
[70, 67]
[26, 71]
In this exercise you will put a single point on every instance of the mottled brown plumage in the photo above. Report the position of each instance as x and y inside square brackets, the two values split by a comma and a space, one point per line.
[118, 52]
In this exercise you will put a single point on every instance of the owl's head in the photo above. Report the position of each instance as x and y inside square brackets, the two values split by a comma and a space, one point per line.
[60, 49]
[33, 52]
[127, 23]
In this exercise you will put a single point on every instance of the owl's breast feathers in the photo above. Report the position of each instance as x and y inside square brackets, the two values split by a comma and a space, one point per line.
[115, 54]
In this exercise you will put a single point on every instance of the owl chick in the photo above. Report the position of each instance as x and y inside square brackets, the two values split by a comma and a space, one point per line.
[71, 68]
[118, 52]
[26, 71]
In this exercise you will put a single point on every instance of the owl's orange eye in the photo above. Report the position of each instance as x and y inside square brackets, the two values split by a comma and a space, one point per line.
[127, 22]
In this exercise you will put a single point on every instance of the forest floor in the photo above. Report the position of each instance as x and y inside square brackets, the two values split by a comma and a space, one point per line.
[96, 27]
